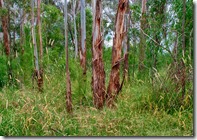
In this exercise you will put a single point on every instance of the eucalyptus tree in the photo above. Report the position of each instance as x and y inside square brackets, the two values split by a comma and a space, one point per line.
[182, 62]
[83, 37]
[98, 73]
[75, 28]
[36, 74]
[114, 81]
[4, 20]
[142, 45]
[68, 82]
[40, 43]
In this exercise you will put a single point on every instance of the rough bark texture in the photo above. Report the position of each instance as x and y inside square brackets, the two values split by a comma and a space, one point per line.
[68, 83]
[40, 85]
[4, 19]
[36, 74]
[98, 73]
[114, 82]
[83, 37]
[142, 38]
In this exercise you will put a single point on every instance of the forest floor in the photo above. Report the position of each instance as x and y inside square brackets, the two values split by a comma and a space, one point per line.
[26, 112]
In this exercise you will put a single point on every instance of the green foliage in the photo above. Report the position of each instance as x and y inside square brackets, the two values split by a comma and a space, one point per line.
[53, 27]
[163, 95]
[3, 71]
[89, 22]
[3, 12]
[29, 113]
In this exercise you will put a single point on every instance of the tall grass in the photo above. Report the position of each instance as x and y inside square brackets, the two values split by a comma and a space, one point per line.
[141, 108]
[26, 112]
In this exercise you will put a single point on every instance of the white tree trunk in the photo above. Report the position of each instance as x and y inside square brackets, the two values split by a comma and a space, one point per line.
[75, 28]
[83, 26]
[83, 38]
[34, 40]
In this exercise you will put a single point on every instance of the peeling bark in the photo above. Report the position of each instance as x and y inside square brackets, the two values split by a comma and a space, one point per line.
[5, 31]
[98, 73]
[68, 83]
[114, 82]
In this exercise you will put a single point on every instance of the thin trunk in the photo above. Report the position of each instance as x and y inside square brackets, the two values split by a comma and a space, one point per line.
[134, 47]
[83, 37]
[98, 73]
[9, 28]
[75, 29]
[40, 80]
[14, 37]
[142, 38]
[36, 74]
[22, 13]
[79, 41]
[114, 82]
[5, 31]
[68, 83]
[175, 50]
[183, 77]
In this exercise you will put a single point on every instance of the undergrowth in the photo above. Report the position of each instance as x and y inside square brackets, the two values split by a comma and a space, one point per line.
[26, 112]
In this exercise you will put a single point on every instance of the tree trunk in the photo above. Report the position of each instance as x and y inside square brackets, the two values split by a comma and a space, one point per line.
[142, 38]
[36, 74]
[22, 14]
[75, 29]
[114, 82]
[68, 83]
[98, 73]
[183, 77]
[5, 31]
[83, 37]
[14, 35]
[40, 81]
[126, 46]
[133, 49]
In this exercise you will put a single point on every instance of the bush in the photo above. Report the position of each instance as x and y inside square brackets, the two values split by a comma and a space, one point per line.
[3, 71]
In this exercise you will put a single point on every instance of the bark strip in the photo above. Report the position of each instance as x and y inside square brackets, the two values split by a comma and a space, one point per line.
[114, 82]
[98, 73]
